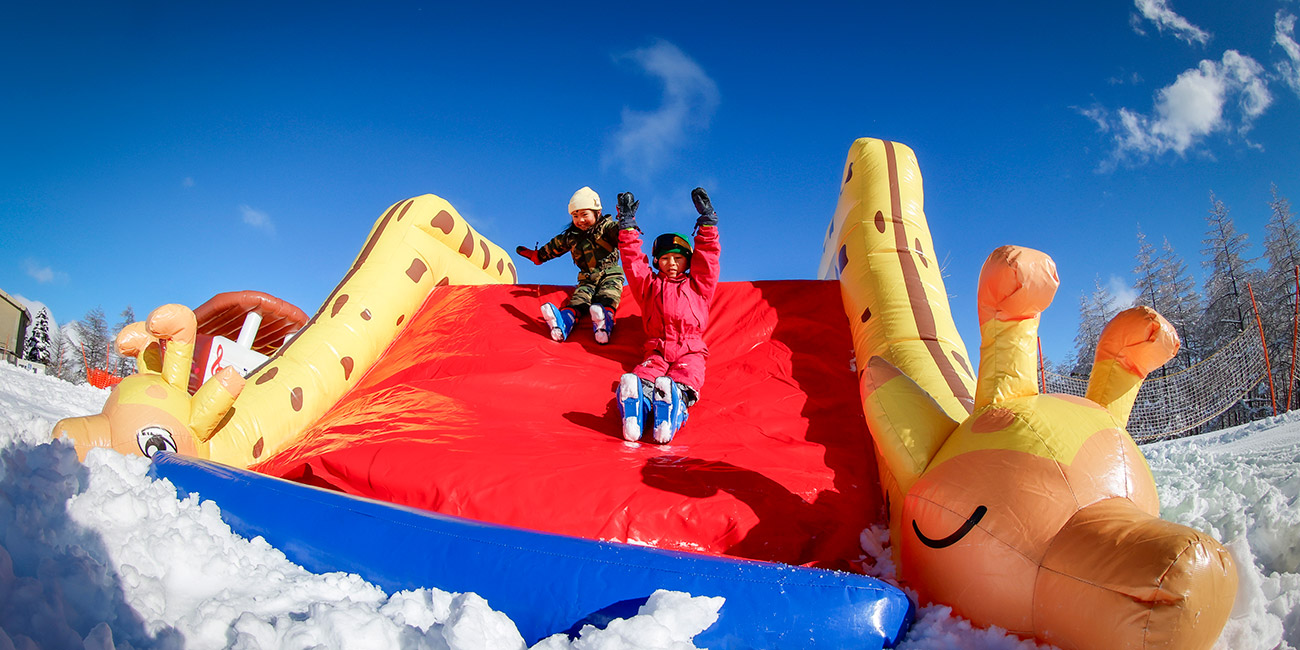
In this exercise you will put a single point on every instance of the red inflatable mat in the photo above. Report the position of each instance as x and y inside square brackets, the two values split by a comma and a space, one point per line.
[473, 411]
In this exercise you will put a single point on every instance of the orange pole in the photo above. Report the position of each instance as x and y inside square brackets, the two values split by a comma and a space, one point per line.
[1268, 369]
[1295, 333]
[84, 361]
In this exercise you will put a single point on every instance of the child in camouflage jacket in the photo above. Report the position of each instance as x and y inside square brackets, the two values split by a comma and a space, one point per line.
[592, 239]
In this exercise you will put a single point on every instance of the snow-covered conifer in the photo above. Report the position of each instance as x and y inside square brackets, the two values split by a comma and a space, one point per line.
[37, 346]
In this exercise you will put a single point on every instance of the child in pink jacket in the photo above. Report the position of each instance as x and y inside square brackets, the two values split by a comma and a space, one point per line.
[675, 309]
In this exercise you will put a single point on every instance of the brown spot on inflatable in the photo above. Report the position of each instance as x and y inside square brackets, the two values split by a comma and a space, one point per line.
[417, 269]
[444, 222]
[848, 174]
[994, 419]
[514, 276]
[400, 319]
[501, 266]
[347, 367]
[156, 392]
[365, 314]
[257, 447]
[404, 209]
[866, 313]
[920, 252]
[230, 415]
[880, 221]
[487, 256]
[467, 245]
[443, 282]
[295, 399]
[268, 376]
[961, 361]
[338, 305]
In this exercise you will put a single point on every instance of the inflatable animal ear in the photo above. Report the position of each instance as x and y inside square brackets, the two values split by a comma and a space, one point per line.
[1034, 513]
[152, 410]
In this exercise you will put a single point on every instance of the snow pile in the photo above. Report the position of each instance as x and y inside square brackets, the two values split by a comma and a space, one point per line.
[99, 556]
[1242, 487]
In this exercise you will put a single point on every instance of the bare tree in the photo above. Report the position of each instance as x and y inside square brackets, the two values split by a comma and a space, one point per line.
[1181, 305]
[123, 366]
[65, 362]
[1147, 274]
[1095, 311]
[1278, 291]
[1227, 303]
[92, 329]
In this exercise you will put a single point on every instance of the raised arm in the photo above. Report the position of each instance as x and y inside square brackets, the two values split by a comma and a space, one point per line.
[708, 250]
[635, 264]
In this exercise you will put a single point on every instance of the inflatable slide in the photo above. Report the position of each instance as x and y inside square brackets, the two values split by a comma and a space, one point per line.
[427, 383]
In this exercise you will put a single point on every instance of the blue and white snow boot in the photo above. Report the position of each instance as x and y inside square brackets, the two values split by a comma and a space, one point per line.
[633, 406]
[559, 320]
[670, 411]
[602, 322]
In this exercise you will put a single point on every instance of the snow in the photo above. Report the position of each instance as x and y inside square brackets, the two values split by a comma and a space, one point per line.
[99, 556]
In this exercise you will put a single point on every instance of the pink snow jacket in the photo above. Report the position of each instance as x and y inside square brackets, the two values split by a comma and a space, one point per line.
[675, 312]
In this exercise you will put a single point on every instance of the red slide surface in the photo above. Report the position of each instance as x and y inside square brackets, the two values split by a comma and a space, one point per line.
[473, 411]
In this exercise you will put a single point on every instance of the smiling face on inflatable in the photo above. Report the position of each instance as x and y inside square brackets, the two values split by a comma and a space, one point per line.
[152, 410]
[1038, 513]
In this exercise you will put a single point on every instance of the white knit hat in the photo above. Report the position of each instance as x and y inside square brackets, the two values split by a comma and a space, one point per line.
[584, 199]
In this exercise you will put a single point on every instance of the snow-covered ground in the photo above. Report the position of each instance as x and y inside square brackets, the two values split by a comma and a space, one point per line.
[99, 556]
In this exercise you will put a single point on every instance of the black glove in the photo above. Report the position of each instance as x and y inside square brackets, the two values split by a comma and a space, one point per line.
[704, 207]
[627, 205]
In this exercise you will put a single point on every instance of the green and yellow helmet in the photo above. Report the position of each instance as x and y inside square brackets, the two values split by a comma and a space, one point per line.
[671, 242]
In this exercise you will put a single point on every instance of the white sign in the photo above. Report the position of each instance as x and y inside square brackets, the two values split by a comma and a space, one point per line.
[224, 352]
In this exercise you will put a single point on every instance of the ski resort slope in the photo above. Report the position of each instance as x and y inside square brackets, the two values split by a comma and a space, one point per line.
[474, 411]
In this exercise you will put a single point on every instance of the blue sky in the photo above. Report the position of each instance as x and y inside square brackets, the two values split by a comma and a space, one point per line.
[165, 152]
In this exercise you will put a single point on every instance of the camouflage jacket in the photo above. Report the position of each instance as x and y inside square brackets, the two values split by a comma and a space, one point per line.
[595, 250]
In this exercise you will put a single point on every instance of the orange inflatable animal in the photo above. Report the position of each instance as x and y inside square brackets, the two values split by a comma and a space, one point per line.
[1035, 513]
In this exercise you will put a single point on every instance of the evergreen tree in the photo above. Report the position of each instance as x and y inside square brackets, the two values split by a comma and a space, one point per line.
[125, 365]
[37, 346]
[1227, 304]
[92, 330]
[1095, 311]
[1278, 293]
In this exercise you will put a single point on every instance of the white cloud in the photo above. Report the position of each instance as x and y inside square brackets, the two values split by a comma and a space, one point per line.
[1128, 78]
[1216, 96]
[1284, 36]
[257, 219]
[646, 141]
[1159, 12]
[42, 273]
[1122, 295]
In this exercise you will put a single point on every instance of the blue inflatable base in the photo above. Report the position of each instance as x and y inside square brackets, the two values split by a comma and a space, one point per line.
[545, 583]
